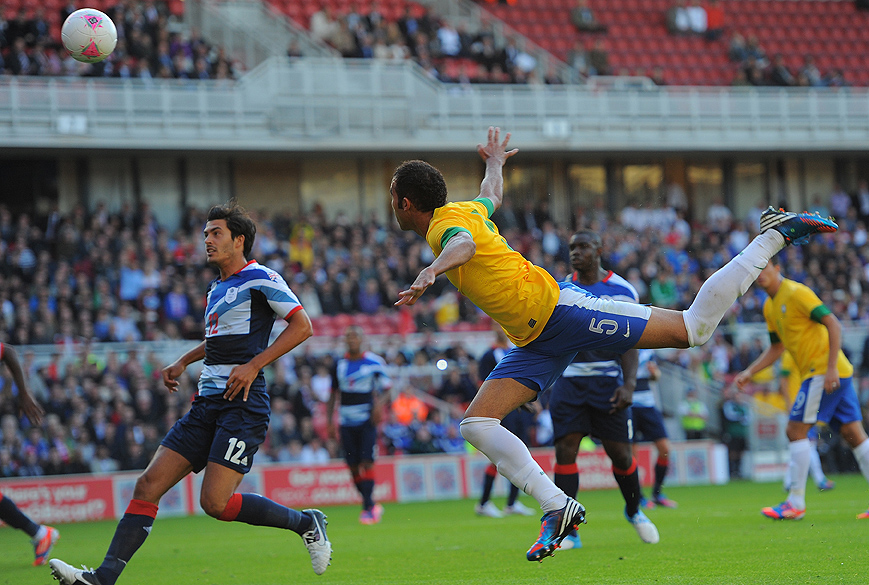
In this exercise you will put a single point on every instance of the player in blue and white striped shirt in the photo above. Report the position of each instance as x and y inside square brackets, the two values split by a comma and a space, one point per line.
[362, 386]
[594, 394]
[649, 426]
[228, 419]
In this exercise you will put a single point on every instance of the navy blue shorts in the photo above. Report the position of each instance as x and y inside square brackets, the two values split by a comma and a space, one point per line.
[648, 424]
[359, 443]
[579, 322]
[581, 405]
[215, 429]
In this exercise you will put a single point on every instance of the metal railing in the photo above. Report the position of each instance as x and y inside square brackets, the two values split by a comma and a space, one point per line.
[476, 19]
[328, 104]
[250, 31]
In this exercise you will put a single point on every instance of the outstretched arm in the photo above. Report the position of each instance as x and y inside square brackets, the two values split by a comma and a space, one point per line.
[458, 250]
[26, 402]
[764, 360]
[495, 154]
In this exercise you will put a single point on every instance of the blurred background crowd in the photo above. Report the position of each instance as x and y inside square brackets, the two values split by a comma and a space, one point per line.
[70, 281]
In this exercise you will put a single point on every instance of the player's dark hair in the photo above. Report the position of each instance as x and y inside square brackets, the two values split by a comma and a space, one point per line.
[238, 222]
[593, 235]
[421, 183]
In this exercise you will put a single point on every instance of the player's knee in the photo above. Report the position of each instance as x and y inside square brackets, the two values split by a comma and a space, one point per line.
[663, 449]
[622, 461]
[566, 450]
[621, 454]
[474, 428]
[146, 487]
[695, 331]
[797, 432]
[211, 506]
[853, 434]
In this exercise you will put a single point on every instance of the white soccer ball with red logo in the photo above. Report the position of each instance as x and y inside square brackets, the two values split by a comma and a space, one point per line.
[89, 35]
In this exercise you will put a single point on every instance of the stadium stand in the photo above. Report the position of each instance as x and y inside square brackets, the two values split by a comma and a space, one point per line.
[72, 280]
[69, 281]
[638, 39]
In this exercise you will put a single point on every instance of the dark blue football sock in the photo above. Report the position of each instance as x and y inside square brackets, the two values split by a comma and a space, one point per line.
[629, 484]
[488, 482]
[366, 488]
[514, 493]
[660, 474]
[257, 510]
[14, 517]
[130, 534]
[567, 478]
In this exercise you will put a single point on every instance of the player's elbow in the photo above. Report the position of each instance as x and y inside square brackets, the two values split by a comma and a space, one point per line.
[469, 247]
[307, 330]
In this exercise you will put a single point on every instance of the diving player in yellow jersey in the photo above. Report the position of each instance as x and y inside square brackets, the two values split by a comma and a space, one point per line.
[799, 322]
[549, 322]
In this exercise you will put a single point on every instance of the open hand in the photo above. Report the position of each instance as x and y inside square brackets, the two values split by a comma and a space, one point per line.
[171, 373]
[495, 148]
[425, 279]
[621, 399]
[239, 381]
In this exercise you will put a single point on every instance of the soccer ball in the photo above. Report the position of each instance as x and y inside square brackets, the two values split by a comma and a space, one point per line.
[89, 35]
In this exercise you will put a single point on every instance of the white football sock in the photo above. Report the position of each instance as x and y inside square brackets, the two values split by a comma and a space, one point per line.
[513, 460]
[40, 534]
[786, 482]
[815, 467]
[800, 465]
[728, 283]
[861, 454]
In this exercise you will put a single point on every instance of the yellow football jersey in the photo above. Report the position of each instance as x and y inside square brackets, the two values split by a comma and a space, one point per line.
[792, 316]
[518, 295]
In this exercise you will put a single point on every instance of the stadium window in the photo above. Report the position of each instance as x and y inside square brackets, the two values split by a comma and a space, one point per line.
[586, 192]
[527, 186]
[643, 185]
[705, 187]
[750, 188]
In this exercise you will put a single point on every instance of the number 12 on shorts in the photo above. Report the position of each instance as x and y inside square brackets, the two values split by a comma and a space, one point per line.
[234, 451]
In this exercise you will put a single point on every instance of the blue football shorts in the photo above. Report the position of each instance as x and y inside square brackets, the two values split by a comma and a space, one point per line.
[580, 321]
[359, 443]
[812, 404]
[581, 405]
[648, 423]
[215, 429]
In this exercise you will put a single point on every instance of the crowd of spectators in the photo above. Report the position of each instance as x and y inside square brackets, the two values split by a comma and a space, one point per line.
[152, 44]
[755, 68]
[72, 280]
[449, 53]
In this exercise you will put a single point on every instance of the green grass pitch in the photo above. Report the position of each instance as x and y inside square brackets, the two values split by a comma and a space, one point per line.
[717, 535]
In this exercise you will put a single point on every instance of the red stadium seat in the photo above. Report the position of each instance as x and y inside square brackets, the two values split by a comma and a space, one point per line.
[342, 321]
[637, 37]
